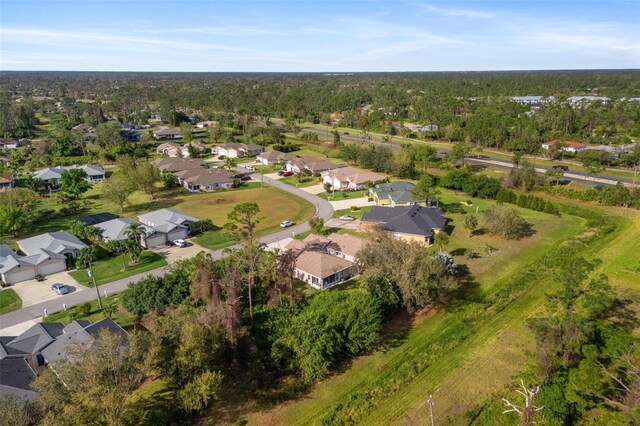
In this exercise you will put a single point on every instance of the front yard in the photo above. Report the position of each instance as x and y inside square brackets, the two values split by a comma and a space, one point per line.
[343, 195]
[111, 269]
[303, 183]
[9, 301]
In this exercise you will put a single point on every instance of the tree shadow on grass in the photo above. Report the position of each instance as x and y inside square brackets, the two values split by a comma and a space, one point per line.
[469, 291]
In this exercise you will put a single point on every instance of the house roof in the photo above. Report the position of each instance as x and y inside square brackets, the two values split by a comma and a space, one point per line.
[161, 217]
[16, 377]
[32, 341]
[354, 175]
[94, 219]
[6, 177]
[80, 335]
[399, 192]
[116, 229]
[167, 146]
[321, 264]
[56, 172]
[275, 155]
[412, 219]
[208, 177]
[314, 164]
[241, 146]
[82, 128]
[167, 132]
[347, 243]
[54, 242]
[10, 260]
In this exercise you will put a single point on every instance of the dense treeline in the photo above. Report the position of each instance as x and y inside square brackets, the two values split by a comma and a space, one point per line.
[473, 106]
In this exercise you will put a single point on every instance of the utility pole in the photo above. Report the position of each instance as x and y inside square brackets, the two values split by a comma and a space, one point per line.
[430, 403]
[90, 273]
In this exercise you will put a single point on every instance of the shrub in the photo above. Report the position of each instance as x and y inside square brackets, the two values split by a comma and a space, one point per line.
[85, 309]
[507, 222]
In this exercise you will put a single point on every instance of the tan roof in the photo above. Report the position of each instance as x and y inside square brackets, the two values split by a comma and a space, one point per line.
[321, 264]
[355, 175]
[167, 131]
[6, 177]
[316, 239]
[275, 155]
[295, 245]
[209, 177]
[168, 145]
[175, 164]
[347, 243]
[315, 164]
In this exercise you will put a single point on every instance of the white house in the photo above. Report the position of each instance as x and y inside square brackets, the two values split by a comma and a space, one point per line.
[15, 268]
[94, 173]
[234, 150]
[167, 133]
[9, 143]
[173, 223]
[273, 157]
[350, 178]
[570, 146]
[205, 180]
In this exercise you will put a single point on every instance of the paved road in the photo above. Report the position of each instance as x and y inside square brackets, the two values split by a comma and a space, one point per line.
[323, 207]
[495, 162]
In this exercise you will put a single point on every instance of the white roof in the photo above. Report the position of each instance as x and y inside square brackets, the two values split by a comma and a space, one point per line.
[56, 172]
[54, 242]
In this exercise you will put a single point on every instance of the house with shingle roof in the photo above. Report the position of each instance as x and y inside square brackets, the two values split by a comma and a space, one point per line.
[234, 150]
[15, 268]
[94, 173]
[273, 157]
[53, 242]
[9, 143]
[205, 180]
[7, 181]
[170, 222]
[393, 194]
[411, 223]
[175, 164]
[570, 146]
[166, 133]
[324, 262]
[350, 178]
[314, 165]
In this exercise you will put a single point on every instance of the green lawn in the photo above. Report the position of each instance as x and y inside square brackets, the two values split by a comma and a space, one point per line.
[122, 317]
[111, 269]
[275, 206]
[343, 195]
[351, 212]
[307, 181]
[461, 356]
[9, 301]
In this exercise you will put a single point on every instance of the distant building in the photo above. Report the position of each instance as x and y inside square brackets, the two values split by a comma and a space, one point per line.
[583, 99]
[167, 133]
[94, 173]
[6, 181]
[235, 150]
[570, 146]
[9, 143]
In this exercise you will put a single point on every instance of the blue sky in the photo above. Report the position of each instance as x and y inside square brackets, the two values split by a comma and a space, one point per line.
[318, 36]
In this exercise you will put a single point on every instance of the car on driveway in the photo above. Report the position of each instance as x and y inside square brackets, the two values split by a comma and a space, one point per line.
[60, 288]
[285, 173]
[249, 167]
[180, 243]
[221, 157]
[286, 224]
[347, 218]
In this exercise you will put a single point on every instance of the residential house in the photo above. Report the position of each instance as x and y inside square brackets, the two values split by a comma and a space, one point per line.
[411, 223]
[198, 146]
[273, 157]
[314, 165]
[234, 150]
[173, 223]
[350, 178]
[175, 164]
[6, 181]
[52, 243]
[9, 143]
[116, 230]
[23, 357]
[324, 262]
[582, 99]
[170, 149]
[570, 146]
[205, 180]
[205, 124]
[21, 360]
[15, 268]
[393, 194]
[94, 173]
[84, 128]
[166, 133]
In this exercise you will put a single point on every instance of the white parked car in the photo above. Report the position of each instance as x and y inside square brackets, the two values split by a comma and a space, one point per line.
[180, 243]
[249, 167]
[347, 218]
[286, 224]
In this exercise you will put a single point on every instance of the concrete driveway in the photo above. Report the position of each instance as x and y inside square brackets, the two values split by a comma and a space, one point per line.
[345, 204]
[32, 292]
[315, 189]
[174, 253]
[337, 223]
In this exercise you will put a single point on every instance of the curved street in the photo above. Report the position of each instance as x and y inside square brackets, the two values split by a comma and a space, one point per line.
[324, 209]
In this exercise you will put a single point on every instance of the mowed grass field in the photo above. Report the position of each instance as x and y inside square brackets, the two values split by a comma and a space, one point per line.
[464, 355]
[9, 301]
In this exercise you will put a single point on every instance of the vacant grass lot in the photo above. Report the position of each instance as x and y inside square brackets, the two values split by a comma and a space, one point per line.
[464, 355]
[9, 301]
[112, 269]
[275, 207]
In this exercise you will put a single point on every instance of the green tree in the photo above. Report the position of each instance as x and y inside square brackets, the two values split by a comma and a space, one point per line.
[87, 255]
[425, 188]
[12, 219]
[316, 224]
[146, 176]
[74, 183]
[135, 232]
[459, 152]
[470, 223]
[555, 174]
[441, 239]
[186, 130]
[116, 190]
[108, 135]
[507, 222]
[133, 249]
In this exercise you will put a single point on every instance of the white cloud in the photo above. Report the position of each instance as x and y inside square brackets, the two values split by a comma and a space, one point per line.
[458, 13]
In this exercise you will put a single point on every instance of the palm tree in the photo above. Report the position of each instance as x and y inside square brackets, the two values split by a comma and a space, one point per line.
[109, 310]
[230, 163]
[133, 249]
[135, 232]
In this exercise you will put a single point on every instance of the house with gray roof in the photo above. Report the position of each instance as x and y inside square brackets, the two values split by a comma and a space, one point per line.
[314, 165]
[23, 357]
[116, 230]
[393, 194]
[49, 174]
[15, 268]
[205, 180]
[52, 242]
[173, 223]
[273, 157]
[413, 223]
